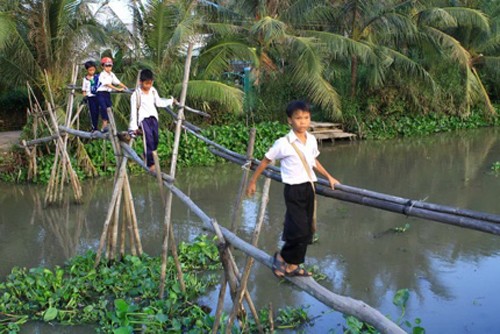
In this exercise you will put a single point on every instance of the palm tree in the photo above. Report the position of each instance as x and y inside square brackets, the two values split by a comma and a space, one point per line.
[44, 35]
[161, 31]
[462, 36]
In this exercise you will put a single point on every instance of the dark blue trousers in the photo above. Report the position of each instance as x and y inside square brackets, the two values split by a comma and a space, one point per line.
[104, 99]
[93, 106]
[150, 128]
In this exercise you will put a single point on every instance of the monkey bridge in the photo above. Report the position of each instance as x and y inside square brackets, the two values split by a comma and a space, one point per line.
[124, 228]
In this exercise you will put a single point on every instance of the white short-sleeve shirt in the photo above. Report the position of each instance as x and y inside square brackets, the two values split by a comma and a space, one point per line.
[106, 78]
[292, 169]
[86, 86]
[147, 104]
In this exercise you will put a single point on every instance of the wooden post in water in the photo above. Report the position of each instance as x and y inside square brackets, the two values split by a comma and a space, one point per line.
[167, 229]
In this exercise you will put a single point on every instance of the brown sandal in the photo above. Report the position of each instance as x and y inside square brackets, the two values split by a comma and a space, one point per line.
[279, 267]
[298, 272]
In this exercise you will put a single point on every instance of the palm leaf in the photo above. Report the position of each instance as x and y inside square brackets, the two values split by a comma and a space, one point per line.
[447, 42]
[307, 72]
[341, 47]
[217, 58]
[469, 17]
[206, 91]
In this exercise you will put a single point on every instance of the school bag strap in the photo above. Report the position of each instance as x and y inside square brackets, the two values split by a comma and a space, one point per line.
[309, 175]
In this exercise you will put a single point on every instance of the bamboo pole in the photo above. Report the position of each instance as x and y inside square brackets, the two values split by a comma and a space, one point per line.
[340, 303]
[220, 303]
[408, 209]
[167, 221]
[244, 179]
[343, 192]
[117, 190]
[173, 247]
[236, 210]
[249, 261]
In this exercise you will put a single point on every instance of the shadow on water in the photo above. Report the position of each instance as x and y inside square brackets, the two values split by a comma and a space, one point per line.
[440, 264]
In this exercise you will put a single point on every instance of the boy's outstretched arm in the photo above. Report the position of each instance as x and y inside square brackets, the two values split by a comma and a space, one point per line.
[319, 167]
[251, 184]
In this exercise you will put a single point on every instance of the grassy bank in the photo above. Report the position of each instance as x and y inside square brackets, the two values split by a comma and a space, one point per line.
[234, 136]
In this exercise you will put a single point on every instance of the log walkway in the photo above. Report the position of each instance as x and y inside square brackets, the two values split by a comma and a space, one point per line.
[237, 281]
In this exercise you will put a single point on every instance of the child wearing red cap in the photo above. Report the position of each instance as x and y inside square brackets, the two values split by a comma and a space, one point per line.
[107, 83]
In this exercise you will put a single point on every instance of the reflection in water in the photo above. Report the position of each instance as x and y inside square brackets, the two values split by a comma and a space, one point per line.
[440, 264]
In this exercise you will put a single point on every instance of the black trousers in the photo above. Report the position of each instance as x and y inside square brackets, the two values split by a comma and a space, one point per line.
[297, 232]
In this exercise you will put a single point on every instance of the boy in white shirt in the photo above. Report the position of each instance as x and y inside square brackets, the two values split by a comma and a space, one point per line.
[144, 116]
[107, 83]
[295, 151]
[89, 88]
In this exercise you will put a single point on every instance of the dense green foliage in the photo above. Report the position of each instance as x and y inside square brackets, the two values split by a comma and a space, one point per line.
[194, 152]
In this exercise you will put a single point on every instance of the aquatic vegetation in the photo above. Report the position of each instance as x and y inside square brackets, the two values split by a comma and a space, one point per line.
[121, 297]
[400, 299]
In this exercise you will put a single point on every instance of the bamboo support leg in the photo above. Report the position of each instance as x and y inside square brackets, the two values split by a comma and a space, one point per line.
[125, 220]
[249, 260]
[220, 304]
[114, 197]
[116, 223]
[136, 234]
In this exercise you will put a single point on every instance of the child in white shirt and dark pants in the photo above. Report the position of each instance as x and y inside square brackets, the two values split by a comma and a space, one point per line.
[297, 152]
[143, 113]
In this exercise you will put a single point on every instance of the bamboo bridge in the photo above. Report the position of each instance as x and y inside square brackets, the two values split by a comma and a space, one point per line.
[234, 277]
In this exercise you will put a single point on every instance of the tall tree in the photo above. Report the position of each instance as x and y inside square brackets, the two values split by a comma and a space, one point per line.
[44, 35]
[462, 36]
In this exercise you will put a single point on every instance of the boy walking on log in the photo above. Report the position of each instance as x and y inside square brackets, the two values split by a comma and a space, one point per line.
[144, 116]
[107, 83]
[297, 152]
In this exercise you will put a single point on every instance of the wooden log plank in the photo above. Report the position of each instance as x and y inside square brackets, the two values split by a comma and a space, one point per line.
[343, 304]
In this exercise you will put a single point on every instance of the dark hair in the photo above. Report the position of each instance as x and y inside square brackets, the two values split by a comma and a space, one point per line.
[90, 64]
[146, 75]
[296, 105]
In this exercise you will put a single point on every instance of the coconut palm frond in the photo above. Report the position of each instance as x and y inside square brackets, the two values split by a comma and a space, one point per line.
[302, 12]
[343, 47]
[490, 45]
[409, 68]
[308, 73]
[228, 97]
[480, 91]
[269, 29]
[321, 92]
[469, 17]
[160, 21]
[393, 28]
[447, 42]
[216, 58]
[6, 26]
[224, 29]
[17, 62]
[437, 18]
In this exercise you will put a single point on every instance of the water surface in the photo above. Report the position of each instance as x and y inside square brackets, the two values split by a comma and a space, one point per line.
[452, 273]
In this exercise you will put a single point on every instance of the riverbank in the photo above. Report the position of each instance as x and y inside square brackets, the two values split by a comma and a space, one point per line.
[234, 136]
